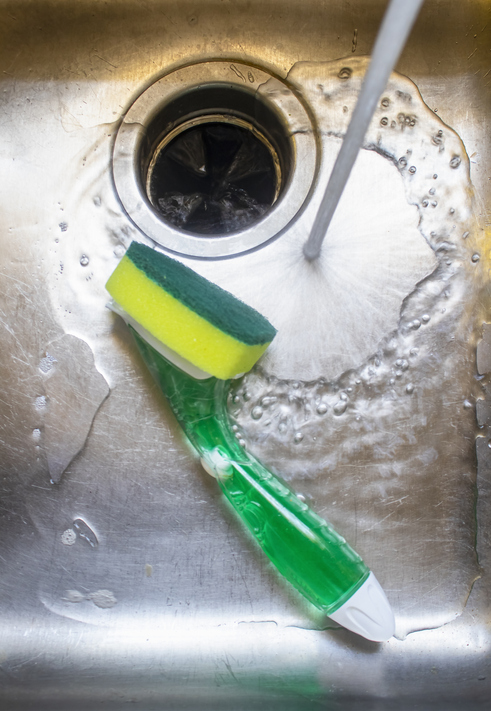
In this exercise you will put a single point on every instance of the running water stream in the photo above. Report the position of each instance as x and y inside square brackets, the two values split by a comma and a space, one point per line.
[394, 31]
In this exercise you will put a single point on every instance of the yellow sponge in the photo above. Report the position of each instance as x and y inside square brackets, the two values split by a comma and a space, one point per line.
[207, 326]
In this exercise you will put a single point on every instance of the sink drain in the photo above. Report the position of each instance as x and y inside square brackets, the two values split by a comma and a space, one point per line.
[214, 159]
[216, 176]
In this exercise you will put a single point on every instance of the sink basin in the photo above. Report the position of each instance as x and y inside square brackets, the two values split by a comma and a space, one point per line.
[126, 578]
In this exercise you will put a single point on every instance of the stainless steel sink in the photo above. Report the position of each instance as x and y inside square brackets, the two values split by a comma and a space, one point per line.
[125, 578]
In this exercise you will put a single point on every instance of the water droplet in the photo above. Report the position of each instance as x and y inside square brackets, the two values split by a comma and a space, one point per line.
[455, 162]
[409, 388]
[415, 324]
[392, 381]
[384, 121]
[298, 437]
[412, 169]
[425, 318]
[238, 435]
[403, 162]
[84, 260]
[345, 73]
[257, 412]
[74, 596]
[282, 427]
[425, 203]
[247, 396]
[235, 427]
[385, 102]
[85, 532]
[452, 211]
[46, 363]
[467, 405]
[68, 537]
[41, 402]
[475, 257]
[432, 191]
[465, 235]
[36, 434]
[303, 499]
[103, 599]
[322, 408]
[236, 398]
[340, 407]
[268, 400]
[97, 201]
[435, 176]
[434, 203]
[413, 352]
[242, 442]
[398, 373]
[489, 444]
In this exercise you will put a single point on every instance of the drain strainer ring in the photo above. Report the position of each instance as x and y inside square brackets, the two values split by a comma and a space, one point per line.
[214, 159]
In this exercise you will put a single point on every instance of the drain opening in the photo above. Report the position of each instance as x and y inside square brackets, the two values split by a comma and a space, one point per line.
[214, 159]
[214, 175]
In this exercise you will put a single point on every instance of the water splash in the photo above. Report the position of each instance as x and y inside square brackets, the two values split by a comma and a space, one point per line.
[379, 434]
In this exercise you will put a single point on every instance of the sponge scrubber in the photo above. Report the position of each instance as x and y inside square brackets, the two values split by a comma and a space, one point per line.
[203, 323]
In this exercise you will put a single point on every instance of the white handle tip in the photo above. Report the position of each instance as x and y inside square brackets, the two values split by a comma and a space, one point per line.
[367, 612]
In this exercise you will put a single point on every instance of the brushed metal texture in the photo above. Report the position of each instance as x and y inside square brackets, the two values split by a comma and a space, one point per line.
[129, 581]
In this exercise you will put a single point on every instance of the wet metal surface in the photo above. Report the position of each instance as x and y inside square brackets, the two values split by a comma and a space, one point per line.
[129, 580]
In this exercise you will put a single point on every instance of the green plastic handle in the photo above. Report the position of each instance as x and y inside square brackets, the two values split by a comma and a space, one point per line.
[315, 559]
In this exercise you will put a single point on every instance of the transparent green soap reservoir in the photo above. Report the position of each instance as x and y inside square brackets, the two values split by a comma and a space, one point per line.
[315, 559]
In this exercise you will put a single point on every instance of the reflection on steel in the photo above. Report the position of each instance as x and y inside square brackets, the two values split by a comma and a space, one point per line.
[175, 606]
